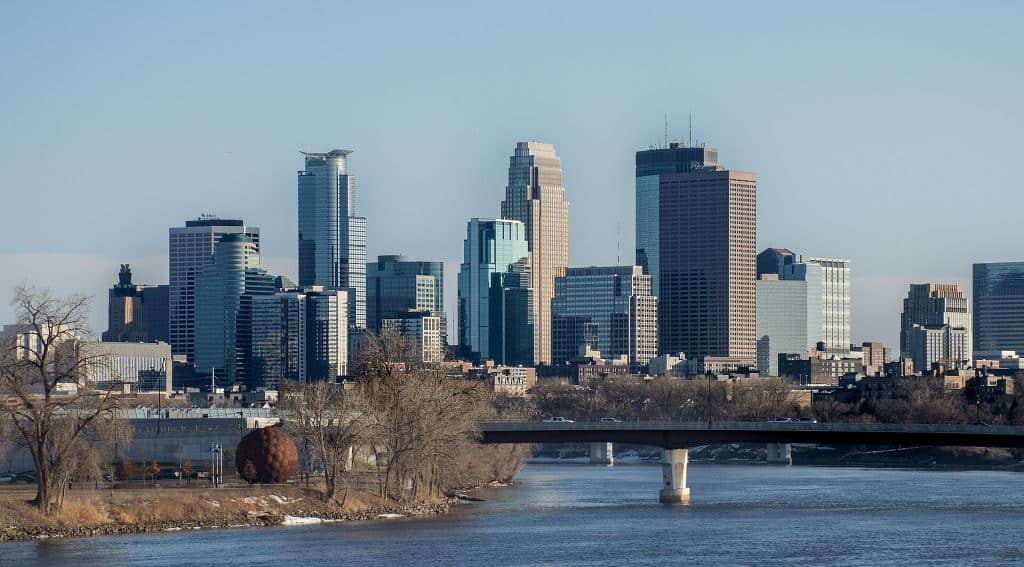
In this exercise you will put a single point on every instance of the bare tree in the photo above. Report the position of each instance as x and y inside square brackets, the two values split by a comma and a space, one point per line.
[328, 420]
[46, 375]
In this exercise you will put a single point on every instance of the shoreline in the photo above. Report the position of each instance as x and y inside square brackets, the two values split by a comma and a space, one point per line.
[318, 513]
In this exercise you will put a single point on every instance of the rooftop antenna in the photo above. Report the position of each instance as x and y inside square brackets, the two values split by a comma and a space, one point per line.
[618, 244]
[666, 130]
[689, 142]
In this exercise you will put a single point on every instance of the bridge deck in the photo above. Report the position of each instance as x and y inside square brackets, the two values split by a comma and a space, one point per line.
[678, 435]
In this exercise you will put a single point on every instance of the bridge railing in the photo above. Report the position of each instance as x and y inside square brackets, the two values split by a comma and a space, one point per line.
[759, 426]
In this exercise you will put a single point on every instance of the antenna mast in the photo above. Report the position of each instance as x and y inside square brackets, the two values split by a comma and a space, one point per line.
[618, 244]
[666, 130]
[690, 141]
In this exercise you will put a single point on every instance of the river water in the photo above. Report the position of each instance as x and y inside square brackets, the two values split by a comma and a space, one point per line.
[593, 515]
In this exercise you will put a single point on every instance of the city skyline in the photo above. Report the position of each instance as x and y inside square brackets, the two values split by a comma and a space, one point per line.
[842, 122]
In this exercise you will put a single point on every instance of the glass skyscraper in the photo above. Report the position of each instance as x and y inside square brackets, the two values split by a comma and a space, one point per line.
[224, 295]
[332, 239]
[396, 286]
[998, 307]
[491, 247]
[190, 249]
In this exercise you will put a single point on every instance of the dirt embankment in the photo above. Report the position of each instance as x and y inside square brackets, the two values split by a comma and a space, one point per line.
[105, 512]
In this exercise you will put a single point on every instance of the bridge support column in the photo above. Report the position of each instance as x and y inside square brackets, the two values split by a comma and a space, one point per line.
[673, 474]
[779, 454]
[601, 454]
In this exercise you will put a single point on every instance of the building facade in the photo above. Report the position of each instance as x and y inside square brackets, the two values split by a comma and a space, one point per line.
[299, 335]
[332, 239]
[934, 320]
[611, 306]
[224, 295]
[696, 229]
[998, 307]
[491, 247]
[136, 313]
[396, 285]
[781, 320]
[190, 249]
[535, 196]
[423, 328]
[129, 367]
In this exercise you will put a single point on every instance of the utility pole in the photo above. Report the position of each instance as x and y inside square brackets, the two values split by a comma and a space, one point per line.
[707, 373]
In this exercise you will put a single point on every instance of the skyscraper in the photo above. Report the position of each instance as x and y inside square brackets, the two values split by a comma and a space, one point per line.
[332, 239]
[617, 301]
[782, 320]
[491, 247]
[696, 228]
[535, 196]
[224, 294]
[935, 326]
[396, 285]
[190, 250]
[998, 307]
[135, 312]
[299, 335]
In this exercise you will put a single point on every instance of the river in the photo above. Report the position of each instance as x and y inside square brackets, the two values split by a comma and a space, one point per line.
[593, 515]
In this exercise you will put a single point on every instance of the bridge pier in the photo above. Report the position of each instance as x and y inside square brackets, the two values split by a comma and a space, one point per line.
[673, 474]
[601, 454]
[779, 454]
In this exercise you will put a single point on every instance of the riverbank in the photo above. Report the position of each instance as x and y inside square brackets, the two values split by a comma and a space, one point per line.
[147, 510]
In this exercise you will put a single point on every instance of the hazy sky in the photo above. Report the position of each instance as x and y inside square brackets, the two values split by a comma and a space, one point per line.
[885, 133]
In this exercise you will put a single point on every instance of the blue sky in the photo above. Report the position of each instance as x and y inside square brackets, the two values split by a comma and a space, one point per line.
[882, 132]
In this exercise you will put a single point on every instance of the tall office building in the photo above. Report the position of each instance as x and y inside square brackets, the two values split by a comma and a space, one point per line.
[299, 335]
[332, 239]
[190, 250]
[535, 196]
[136, 312]
[998, 307]
[827, 293]
[224, 295]
[781, 320]
[396, 285]
[617, 302]
[696, 228]
[512, 316]
[423, 328]
[932, 304]
[491, 247]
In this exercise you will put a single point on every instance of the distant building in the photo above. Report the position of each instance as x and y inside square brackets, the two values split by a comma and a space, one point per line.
[299, 335]
[396, 285]
[129, 367]
[512, 314]
[423, 327]
[493, 247]
[667, 364]
[874, 356]
[511, 380]
[224, 295]
[190, 249]
[819, 368]
[332, 239]
[535, 196]
[999, 306]
[696, 226]
[781, 320]
[137, 313]
[609, 308]
[935, 326]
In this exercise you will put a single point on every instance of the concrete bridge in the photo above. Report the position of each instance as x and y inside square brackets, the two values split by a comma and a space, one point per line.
[676, 437]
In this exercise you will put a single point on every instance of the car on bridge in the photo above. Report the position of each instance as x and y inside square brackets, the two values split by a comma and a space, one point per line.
[610, 420]
[558, 419]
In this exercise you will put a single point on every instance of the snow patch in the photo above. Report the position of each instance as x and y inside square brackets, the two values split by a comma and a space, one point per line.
[390, 515]
[300, 521]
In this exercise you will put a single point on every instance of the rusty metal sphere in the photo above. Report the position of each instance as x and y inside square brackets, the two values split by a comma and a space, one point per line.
[267, 456]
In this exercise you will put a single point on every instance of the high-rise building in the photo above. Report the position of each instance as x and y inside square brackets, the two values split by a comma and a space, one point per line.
[396, 285]
[696, 229]
[781, 320]
[617, 302]
[938, 344]
[135, 312]
[998, 307]
[535, 196]
[332, 239]
[512, 315]
[932, 304]
[423, 327]
[491, 247]
[827, 293]
[224, 294]
[191, 250]
[299, 335]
